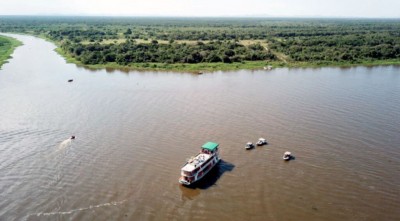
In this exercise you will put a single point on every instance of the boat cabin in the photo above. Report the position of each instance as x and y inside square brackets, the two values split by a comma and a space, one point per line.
[194, 164]
[196, 167]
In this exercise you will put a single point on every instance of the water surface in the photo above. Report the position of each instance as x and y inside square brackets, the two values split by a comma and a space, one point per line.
[135, 130]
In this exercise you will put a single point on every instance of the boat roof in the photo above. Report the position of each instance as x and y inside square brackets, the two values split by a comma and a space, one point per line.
[210, 146]
[196, 161]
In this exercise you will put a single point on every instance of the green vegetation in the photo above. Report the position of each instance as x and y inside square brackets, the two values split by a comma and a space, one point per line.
[7, 46]
[193, 44]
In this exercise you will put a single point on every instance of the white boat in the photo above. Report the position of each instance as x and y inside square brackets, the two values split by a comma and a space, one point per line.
[287, 156]
[269, 67]
[249, 145]
[197, 167]
[261, 142]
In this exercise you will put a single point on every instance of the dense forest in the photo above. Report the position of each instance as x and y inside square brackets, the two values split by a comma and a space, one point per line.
[101, 40]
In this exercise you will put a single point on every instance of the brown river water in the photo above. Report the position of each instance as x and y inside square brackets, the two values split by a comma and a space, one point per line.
[135, 130]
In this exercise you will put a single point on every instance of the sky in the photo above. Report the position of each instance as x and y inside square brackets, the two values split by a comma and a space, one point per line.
[206, 8]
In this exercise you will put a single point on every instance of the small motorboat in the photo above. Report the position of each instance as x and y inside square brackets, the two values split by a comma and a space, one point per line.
[287, 156]
[249, 145]
[72, 138]
[269, 67]
[70, 80]
[261, 142]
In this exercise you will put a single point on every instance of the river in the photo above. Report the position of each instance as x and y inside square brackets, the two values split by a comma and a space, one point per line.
[134, 130]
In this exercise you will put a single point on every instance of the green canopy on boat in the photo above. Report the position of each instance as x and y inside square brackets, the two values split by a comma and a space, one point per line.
[210, 146]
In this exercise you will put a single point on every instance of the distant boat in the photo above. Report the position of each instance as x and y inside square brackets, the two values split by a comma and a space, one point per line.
[70, 80]
[249, 146]
[197, 167]
[269, 67]
[261, 142]
[287, 156]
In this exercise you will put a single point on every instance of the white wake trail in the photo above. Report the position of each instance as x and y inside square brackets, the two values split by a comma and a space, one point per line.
[66, 143]
[79, 209]
[62, 147]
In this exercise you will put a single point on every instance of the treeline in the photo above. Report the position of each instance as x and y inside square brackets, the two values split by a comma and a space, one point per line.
[132, 52]
[85, 28]
[338, 48]
[95, 40]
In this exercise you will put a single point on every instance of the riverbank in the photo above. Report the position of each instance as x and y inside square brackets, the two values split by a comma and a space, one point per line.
[177, 67]
[219, 66]
[198, 45]
[7, 46]
[199, 67]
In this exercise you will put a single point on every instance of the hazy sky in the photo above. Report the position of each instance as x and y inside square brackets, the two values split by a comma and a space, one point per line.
[286, 8]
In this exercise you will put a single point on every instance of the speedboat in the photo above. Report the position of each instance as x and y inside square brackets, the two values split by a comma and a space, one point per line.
[249, 145]
[287, 156]
[261, 142]
[197, 167]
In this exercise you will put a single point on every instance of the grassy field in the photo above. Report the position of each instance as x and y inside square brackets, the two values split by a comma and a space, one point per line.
[7, 46]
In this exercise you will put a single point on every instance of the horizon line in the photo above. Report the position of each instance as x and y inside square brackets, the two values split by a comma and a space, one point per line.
[185, 16]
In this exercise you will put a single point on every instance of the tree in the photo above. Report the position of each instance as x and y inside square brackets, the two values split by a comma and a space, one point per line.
[128, 32]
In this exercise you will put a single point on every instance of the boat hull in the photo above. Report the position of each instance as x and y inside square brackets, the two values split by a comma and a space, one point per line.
[249, 147]
[201, 173]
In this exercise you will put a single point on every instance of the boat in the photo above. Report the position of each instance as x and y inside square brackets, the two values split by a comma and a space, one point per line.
[269, 67]
[197, 167]
[249, 145]
[261, 142]
[70, 80]
[287, 156]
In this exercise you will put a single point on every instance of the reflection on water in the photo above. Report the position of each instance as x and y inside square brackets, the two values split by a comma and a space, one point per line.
[137, 128]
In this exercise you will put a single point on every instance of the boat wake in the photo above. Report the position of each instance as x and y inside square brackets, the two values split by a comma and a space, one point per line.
[60, 149]
[91, 207]
[66, 143]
